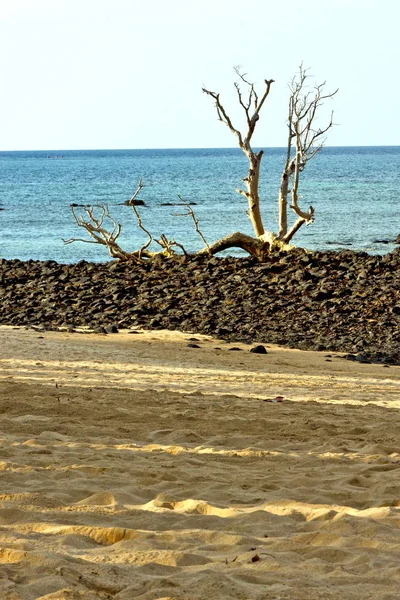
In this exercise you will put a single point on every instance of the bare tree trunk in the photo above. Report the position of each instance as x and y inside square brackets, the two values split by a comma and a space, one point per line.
[305, 140]
[252, 181]
[251, 106]
[255, 247]
[294, 229]
[282, 204]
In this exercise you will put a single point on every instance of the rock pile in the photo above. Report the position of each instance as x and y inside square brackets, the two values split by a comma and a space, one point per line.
[341, 301]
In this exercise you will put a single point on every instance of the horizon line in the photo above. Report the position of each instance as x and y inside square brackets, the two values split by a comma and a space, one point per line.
[190, 148]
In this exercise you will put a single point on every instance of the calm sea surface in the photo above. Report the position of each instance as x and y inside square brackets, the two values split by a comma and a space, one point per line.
[354, 190]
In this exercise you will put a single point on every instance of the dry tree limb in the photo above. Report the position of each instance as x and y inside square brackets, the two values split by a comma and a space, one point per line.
[305, 140]
[139, 220]
[131, 201]
[93, 224]
[169, 244]
[252, 106]
[190, 213]
[254, 246]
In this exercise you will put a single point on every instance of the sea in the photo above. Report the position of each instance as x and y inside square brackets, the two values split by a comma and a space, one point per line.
[354, 191]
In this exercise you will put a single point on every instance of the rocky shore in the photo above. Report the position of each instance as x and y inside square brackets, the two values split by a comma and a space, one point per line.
[332, 301]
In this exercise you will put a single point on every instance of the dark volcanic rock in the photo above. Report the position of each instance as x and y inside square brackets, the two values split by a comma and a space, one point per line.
[99, 330]
[334, 301]
[259, 350]
[134, 203]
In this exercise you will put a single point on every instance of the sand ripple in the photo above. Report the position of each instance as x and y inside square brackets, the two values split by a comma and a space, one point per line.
[128, 492]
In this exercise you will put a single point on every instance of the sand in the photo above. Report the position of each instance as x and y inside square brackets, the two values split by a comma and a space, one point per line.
[133, 466]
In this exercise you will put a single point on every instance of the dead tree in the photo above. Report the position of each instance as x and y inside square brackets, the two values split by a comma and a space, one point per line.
[252, 106]
[93, 219]
[304, 141]
[103, 229]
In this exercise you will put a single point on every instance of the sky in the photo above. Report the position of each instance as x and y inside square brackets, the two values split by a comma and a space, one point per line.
[104, 74]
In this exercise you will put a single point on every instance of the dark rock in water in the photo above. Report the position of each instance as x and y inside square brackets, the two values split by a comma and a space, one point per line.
[259, 350]
[192, 346]
[382, 242]
[111, 329]
[178, 204]
[133, 203]
[338, 243]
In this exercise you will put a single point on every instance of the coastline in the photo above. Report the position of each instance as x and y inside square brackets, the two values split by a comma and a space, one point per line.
[136, 466]
[355, 182]
[334, 301]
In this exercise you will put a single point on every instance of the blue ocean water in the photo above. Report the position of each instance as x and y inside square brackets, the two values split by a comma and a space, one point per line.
[354, 190]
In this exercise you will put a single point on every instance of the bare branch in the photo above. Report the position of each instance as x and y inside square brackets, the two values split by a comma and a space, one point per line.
[306, 216]
[71, 240]
[254, 246]
[252, 107]
[169, 244]
[146, 231]
[307, 140]
[223, 116]
[190, 213]
[243, 193]
[296, 226]
[252, 95]
[131, 201]
[93, 224]
[256, 114]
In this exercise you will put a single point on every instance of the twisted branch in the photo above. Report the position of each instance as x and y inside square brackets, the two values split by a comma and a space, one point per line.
[139, 220]
[93, 224]
[190, 213]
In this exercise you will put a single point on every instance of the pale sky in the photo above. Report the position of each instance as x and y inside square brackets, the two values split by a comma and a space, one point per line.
[86, 74]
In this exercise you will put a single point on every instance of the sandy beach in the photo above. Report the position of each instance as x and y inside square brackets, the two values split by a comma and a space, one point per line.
[134, 466]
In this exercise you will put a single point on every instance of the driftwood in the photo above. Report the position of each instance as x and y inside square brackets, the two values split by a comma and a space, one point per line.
[305, 139]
